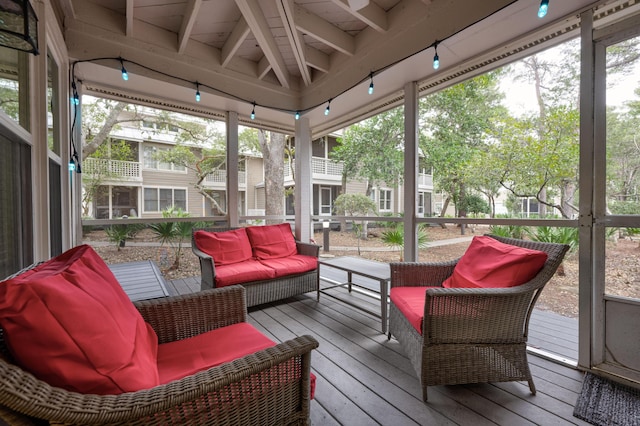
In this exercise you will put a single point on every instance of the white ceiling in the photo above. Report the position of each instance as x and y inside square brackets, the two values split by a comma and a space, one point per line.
[288, 55]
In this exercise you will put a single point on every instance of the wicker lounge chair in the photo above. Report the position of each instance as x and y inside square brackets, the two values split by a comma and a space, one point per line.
[267, 387]
[470, 335]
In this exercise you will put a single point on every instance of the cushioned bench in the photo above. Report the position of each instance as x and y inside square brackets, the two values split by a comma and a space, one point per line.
[266, 260]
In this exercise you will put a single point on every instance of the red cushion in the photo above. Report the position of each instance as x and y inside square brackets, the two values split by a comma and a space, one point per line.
[272, 241]
[489, 263]
[296, 264]
[224, 247]
[410, 301]
[69, 322]
[185, 357]
[243, 272]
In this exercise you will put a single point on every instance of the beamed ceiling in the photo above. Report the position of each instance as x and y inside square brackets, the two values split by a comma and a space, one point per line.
[290, 55]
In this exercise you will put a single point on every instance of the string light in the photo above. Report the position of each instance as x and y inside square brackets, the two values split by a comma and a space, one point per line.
[253, 112]
[125, 75]
[326, 111]
[371, 84]
[544, 8]
[75, 99]
[436, 58]
[297, 115]
[197, 92]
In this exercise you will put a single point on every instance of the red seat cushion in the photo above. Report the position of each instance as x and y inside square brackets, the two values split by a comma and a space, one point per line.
[225, 247]
[296, 264]
[410, 301]
[272, 241]
[243, 272]
[69, 322]
[185, 357]
[490, 263]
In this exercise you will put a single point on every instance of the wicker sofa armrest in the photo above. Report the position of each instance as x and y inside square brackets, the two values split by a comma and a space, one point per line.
[416, 274]
[270, 384]
[207, 266]
[308, 249]
[179, 317]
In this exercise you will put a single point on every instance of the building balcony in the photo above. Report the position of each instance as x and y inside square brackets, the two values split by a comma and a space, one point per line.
[425, 181]
[322, 169]
[129, 171]
[218, 179]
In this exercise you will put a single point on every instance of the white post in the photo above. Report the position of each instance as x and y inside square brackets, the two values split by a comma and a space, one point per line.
[410, 171]
[304, 185]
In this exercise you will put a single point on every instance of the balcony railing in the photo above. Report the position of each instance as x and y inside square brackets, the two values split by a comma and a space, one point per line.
[320, 167]
[425, 180]
[219, 178]
[112, 169]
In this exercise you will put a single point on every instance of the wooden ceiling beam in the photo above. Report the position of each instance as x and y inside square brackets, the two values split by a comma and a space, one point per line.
[317, 59]
[256, 20]
[324, 31]
[235, 40]
[188, 21]
[287, 14]
[372, 15]
[129, 18]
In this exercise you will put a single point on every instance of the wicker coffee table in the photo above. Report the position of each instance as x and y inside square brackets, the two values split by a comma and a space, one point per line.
[377, 271]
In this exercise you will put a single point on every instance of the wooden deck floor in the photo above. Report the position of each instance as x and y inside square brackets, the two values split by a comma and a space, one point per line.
[364, 379]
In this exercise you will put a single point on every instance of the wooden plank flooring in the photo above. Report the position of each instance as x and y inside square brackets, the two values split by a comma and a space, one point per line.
[365, 379]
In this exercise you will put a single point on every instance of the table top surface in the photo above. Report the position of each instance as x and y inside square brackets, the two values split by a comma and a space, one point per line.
[365, 267]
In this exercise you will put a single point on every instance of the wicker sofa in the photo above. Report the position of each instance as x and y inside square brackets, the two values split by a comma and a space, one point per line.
[294, 269]
[467, 335]
[270, 386]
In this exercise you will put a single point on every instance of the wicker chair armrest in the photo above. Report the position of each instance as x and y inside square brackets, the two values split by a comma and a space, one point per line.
[198, 397]
[207, 267]
[414, 274]
[308, 249]
[461, 315]
[178, 317]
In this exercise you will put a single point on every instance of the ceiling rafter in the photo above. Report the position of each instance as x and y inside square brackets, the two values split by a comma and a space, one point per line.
[235, 40]
[254, 16]
[317, 59]
[129, 18]
[188, 21]
[287, 14]
[324, 31]
[372, 15]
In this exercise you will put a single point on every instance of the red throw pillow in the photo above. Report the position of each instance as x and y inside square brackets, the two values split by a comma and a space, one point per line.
[272, 241]
[225, 247]
[490, 263]
[69, 323]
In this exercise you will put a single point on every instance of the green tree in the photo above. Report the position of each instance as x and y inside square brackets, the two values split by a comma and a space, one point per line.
[355, 205]
[372, 150]
[458, 123]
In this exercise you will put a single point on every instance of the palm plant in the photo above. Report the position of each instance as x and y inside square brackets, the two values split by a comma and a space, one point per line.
[395, 238]
[173, 233]
[548, 234]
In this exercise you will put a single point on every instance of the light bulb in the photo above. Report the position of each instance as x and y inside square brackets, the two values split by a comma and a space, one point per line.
[436, 61]
[326, 111]
[197, 92]
[253, 112]
[371, 88]
[125, 75]
[544, 8]
[297, 115]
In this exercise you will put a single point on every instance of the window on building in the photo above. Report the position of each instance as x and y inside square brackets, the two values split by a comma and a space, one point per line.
[150, 161]
[158, 199]
[384, 201]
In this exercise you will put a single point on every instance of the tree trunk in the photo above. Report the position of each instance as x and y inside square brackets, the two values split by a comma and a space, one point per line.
[445, 206]
[104, 132]
[272, 145]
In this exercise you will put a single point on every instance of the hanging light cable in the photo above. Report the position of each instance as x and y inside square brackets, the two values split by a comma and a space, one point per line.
[544, 8]
[436, 58]
[253, 112]
[328, 108]
[371, 84]
[125, 75]
[197, 92]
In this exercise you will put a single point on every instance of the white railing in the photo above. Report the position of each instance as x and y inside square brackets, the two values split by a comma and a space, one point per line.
[112, 169]
[320, 167]
[425, 180]
[220, 177]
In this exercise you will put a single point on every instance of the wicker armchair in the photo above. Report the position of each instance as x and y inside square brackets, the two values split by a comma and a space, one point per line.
[264, 291]
[268, 387]
[470, 335]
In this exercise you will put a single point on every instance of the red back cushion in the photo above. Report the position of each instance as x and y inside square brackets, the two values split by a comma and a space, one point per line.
[272, 241]
[69, 323]
[224, 247]
[490, 263]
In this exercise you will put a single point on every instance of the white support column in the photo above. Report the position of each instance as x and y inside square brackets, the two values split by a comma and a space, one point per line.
[75, 177]
[40, 155]
[304, 184]
[232, 168]
[410, 171]
[585, 221]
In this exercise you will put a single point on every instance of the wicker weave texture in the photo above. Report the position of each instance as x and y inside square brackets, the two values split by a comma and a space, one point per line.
[470, 335]
[263, 291]
[271, 386]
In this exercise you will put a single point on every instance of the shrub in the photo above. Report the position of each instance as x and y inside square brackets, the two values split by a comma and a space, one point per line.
[508, 231]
